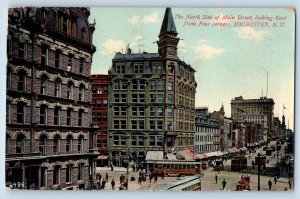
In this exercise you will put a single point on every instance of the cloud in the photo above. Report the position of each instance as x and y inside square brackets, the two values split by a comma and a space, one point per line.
[146, 19]
[206, 51]
[182, 47]
[111, 46]
[134, 20]
[252, 34]
[152, 18]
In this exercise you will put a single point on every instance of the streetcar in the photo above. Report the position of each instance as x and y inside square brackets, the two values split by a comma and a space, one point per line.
[188, 183]
[174, 167]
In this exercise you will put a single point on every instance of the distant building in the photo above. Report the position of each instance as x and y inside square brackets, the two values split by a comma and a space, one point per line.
[207, 135]
[151, 102]
[256, 109]
[228, 130]
[219, 115]
[99, 114]
[49, 136]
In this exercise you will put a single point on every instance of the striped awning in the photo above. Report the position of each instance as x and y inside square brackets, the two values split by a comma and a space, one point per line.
[102, 157]
[202, 156]
[230, 150]
[187, 154]
[236, 149]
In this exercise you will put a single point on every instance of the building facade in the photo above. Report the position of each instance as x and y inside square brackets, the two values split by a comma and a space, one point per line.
[99, 114]
[228, 135]
[207, 135]
[259, 110]
[151, 99]
[50, 142]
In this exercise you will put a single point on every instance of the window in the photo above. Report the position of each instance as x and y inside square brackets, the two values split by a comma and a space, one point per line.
[134, 98]
[69, 144]
[21, 108]
[43, 176]
[160, 98]
[20, 145]
[22, 81]
[8, 79]
[152, 140]
[56, 175]
[170, 112]
[80, 171]
[69, 116]
[153, 98]
[152, 111]
[170, 99]
[152, 124]
[70, 90]
[80, 115]
[124, 85]
[43, 90]
[160, 124]
[160, 85]
[116, 140]
[57, 58]
[43, 114]
[134, 84]
[156, 69]
[116, 124]
[81, 93]
[141, 140]
[65, 25]
[42, 144]
[56, 144]
[123, 124]
[159, 140]
[123, 98]
[80, 144]
[22, 50]
[81, 65]
[8, 111]
[153, 85]
[69, 173]
[133, 140]
[170, 125]
[57, 89]
[138, 68]
[120, 69]
[123, 140]
[44, 55]
[160, 111]
[123, 111]
[117, 97]
[141, 124]
[142, 84]
[170, 86]
[70, 62]
[116, 85]
[134, 124]
[57, 116]
[141, 97]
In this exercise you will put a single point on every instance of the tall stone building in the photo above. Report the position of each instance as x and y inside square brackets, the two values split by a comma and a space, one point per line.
[255, 110]
[99, 114]
[151, 99]
[50, 141]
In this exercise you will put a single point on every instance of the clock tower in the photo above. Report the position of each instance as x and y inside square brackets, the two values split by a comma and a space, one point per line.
[168, 41]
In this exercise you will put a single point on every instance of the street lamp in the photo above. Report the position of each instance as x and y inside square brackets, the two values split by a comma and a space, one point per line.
[258, 171]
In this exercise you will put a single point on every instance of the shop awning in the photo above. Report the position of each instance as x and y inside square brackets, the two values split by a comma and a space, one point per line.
[202, 156]
[230, 150]
[155, 155]
[171, 156]
[102, 157]
[236, 149]
[187, 154]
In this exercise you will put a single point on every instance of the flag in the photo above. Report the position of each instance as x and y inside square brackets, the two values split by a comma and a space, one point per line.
[284, 107]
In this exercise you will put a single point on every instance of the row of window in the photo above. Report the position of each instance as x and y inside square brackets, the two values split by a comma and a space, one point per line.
[202, 129]
[138, 140]
[57, 174]
[140, 111]
[206, 138]
[185, 101]
[141, 85]
[44, 56]
[99, 89]
[44, 144]
[138, 124]
[140, 98]
[206, 147]
[187, 113]
[99, 116]
[21, 115]
[21, 86]
[138, 68]
[185, 126]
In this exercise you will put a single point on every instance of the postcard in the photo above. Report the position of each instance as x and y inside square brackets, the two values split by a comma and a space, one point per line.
[150, 99]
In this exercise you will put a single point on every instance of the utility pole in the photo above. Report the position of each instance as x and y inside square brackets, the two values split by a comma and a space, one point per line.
[258, 171]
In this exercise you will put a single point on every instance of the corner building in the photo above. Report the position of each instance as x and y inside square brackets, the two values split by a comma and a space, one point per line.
[50, 140]
[151, 100]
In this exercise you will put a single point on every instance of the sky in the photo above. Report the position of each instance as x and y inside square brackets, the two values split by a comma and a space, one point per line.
[230, 61]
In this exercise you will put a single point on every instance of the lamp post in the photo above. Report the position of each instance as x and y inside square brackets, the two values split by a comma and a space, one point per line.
[258, 171]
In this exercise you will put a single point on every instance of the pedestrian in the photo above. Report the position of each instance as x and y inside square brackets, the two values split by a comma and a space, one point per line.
[270, 184]
[290, 183]
[106, 177]
[224, 183]
[275, 179]
[216, 178]
[126, 184]
[155, 178]
[113, 184]
[150, 177]
[140, 180]
[103, 184]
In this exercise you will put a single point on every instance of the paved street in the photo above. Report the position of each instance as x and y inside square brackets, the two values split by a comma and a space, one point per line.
[208, 179]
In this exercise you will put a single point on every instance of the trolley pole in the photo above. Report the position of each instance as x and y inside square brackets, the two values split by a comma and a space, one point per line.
[258, 171]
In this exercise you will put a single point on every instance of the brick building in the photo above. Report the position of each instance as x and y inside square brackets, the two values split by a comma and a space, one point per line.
[99, 114]
[50, 141]
[151, 99]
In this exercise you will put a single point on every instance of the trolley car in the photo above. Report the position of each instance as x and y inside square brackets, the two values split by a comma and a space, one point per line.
[189, 183]
[174, 167]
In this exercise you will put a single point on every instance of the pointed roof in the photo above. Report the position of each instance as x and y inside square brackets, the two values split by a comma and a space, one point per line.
[168, 24]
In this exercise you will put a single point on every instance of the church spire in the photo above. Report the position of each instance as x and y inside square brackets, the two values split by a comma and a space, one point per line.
[168, 25]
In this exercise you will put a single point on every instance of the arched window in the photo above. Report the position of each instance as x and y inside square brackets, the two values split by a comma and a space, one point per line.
[80, 171]
[8, 111]
[70, 62]
[43, 114]
[57, 116]
[20, 144]
[81, 66]
[56, 144]
[8, 79]
[69, 173]
[69, 144]
[44, 55]
[69, 116]
[57, 59]
[43, 144]
[22, 81]
[21, 109]
[81, 92]
[80, 144]
[43, 90]
[56, 175]
[57, 89]
[70, 90]
[22, 50]
[80, 117]
[7, 144]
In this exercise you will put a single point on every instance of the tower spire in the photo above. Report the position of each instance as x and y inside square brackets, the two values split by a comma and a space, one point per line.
[168, 25]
